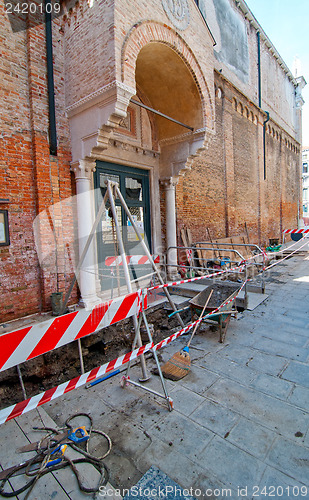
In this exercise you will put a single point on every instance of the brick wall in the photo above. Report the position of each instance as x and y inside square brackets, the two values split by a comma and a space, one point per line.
[225, 187]
[31, 179]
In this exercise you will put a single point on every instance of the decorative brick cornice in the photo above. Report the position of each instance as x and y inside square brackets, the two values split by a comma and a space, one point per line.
[101, 94]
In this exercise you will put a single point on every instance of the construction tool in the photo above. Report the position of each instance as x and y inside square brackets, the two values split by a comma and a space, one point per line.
[178, 366]
[54, 458]
[78, 435]
[56, 455]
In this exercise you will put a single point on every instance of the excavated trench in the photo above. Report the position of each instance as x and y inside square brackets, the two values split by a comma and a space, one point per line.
[63, 364]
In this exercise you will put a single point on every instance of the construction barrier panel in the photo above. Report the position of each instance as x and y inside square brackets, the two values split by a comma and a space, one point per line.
[32, 341]
[133, 260]
[51, 394]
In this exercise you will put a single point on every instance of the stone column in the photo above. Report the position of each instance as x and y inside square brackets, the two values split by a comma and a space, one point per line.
[169, 186]
[85, 219]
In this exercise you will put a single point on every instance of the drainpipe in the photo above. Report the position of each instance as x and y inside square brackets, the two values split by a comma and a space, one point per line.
[264, 141]
[50, 82]
[259, 69]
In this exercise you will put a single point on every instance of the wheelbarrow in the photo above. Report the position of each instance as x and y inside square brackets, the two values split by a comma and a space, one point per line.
[223, 299]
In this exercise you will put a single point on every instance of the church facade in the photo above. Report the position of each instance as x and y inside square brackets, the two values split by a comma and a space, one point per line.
[185, 104]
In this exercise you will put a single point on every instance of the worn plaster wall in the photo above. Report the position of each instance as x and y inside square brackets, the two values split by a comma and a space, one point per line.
[236, 57]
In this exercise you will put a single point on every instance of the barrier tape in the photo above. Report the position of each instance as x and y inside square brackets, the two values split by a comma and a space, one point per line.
[296, 231]
[287, 256]
[190, 280]
[29, 342]
[131, 259]
[51, 394]
[31, 403]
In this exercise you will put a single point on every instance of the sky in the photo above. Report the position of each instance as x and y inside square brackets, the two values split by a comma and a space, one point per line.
[286, 23]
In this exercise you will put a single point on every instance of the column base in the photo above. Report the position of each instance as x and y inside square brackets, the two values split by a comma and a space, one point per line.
[173, 276]
[89, 302]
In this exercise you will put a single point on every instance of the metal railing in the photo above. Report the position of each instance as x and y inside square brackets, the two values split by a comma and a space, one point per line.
[197, 263]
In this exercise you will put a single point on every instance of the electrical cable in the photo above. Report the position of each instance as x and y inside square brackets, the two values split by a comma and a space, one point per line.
[43, 456]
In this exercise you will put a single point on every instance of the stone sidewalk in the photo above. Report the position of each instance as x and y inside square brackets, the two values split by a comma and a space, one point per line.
[240, 424]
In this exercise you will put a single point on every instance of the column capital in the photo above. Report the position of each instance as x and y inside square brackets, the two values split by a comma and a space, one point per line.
[169, 182]
[83, 168]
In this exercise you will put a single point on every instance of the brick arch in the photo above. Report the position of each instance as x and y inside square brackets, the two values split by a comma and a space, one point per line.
[147, 32]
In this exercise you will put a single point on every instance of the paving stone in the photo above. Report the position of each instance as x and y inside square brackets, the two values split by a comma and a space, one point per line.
[300, 397]
[246, 337]
[251, 437]
[272, 386]
[266, 410]
[290, 458]
[279, 485]
[236, 353]
[214, 401]
[160, 486]
[306, 440]
[297, 372]
[215, 417]
[296, 320]
[210, 487]
[185, 436]
[185, 401]
[287, 337]
[267, 363]
[175, 465]
[281, 349]
[235, 467]
[198, 380]
[230, 369]
[146, 411]
[126, 436]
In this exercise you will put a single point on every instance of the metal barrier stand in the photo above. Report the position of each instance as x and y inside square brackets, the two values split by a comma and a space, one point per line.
[125, 380]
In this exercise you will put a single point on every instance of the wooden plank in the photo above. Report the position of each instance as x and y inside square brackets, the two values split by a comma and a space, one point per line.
[247, 251]
[235, 241]
[189, 253]
[189, 237]
[214, 255]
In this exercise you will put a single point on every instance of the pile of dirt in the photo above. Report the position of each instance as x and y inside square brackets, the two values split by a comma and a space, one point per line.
[63, 364]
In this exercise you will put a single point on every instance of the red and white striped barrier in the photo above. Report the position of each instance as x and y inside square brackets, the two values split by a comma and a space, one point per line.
[31, 341]
[51, 394]
[131, 259]
[296, 231]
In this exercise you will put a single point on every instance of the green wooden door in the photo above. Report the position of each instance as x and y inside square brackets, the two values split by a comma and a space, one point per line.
[134, 186]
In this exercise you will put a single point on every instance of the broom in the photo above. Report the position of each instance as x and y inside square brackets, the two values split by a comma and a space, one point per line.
[178, 366]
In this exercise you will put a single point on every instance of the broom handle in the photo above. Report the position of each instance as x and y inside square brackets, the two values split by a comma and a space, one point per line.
[206, 304]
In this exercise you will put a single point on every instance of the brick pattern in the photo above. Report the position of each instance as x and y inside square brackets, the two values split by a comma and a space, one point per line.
[94, 45]
[31, 179]
[234, 190]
